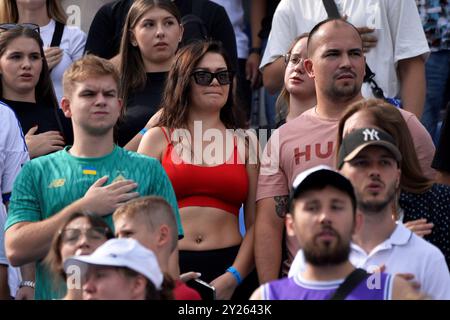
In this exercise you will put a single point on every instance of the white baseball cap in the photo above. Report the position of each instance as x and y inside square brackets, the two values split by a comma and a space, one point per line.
[123, 252]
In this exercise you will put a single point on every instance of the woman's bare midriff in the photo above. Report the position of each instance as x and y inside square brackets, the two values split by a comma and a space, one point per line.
[208, 229]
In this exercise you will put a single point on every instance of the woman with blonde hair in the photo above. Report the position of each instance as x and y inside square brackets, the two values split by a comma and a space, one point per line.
[299, 92]
[424, 204]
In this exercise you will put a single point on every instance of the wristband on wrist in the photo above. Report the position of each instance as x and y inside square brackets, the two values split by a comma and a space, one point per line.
[235, 274]
[27, 283]
[143, 131]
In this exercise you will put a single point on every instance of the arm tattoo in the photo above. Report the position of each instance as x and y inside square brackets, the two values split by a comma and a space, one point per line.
[281, 205]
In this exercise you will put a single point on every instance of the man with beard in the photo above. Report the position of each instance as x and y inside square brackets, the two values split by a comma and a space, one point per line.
[336, 63]
[94, 175]
[369, 158]
[323, 218]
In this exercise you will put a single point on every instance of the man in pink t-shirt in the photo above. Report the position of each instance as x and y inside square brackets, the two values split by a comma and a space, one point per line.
[336, 63]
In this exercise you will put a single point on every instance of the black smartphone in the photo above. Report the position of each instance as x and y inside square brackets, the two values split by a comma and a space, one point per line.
[206, 291]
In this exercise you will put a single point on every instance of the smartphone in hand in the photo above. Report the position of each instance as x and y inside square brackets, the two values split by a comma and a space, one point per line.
[206, 291]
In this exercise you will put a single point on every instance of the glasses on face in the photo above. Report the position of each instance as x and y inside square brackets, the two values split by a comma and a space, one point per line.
[293, 59]
[11, 26]
[204, 78]
[72, 236]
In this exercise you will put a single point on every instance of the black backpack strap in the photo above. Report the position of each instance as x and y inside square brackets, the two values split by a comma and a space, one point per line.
[331, 8]
[197, 8]
[349, 284]
[57, 34]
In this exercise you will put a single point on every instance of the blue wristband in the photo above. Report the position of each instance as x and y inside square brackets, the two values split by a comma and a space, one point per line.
[143, 131]
[235, 274]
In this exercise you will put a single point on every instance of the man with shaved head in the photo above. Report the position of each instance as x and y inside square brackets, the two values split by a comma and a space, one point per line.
[336, 62]
[393, 40]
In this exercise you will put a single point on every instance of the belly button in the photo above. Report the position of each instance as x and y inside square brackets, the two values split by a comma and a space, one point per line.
[199, 239]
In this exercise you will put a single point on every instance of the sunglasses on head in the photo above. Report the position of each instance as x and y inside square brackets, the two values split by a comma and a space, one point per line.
[204, 78]
[11, 26]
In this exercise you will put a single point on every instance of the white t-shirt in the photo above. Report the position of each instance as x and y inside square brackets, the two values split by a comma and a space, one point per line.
[235, 12]
[72, 43]
[402, 252]
[13, 154]
[397, 26]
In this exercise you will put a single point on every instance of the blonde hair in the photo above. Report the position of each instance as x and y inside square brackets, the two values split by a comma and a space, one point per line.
[155, 210]
[88, 66]
[282, 104]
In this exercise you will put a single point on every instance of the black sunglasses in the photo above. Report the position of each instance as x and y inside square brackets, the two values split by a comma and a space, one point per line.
[11, 26]
[204, 78]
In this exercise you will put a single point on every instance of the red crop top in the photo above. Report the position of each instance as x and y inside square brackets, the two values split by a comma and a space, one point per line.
[224, 186]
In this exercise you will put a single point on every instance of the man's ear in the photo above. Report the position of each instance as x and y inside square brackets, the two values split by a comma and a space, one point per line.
[65, 107]
[309, 67]
[289, 222]
[163, 236]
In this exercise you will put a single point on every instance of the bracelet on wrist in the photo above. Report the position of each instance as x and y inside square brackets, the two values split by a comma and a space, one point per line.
[27, 283]
[143, 131]
[235, 274]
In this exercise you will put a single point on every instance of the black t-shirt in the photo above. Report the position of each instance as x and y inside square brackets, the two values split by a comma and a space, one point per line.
[46, 118]
[106, 29]
[141, 106]
[441, 159]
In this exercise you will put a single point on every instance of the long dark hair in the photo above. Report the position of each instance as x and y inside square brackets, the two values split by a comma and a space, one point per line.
[44, 92]
[176, 97]
[132, 69]
[388, 118]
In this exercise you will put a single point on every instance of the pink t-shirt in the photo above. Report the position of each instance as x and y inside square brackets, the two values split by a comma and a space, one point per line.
[308, 141]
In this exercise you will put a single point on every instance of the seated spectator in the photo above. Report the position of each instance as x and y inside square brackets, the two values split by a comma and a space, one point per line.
[150, 40]
[63, 44]
[26, 88]
[80, 235]
[424, 205]
[150, 220]
[120, 269]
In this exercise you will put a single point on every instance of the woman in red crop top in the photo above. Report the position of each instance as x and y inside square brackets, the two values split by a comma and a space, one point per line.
[209, 164]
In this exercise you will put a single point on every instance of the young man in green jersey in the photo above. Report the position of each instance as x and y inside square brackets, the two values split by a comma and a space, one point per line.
[94, 175]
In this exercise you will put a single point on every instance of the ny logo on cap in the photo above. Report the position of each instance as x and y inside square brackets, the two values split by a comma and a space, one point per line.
[370, 134]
